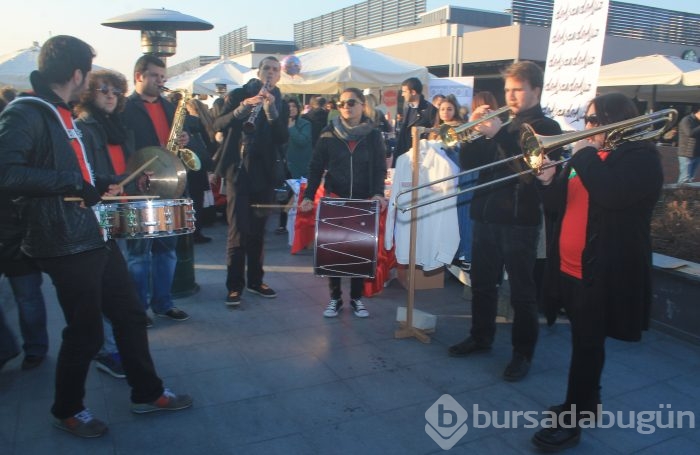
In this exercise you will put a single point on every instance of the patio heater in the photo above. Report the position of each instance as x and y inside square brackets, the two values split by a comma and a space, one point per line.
[158, 28]
[159, 38]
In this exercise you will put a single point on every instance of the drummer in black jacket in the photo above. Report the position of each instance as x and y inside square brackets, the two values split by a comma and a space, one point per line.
[507, 220]
[351, 153]
[43, 158]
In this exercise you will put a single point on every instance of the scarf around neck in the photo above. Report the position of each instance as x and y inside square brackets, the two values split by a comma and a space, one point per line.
[351, 133]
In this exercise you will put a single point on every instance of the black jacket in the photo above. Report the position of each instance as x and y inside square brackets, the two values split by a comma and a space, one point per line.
[356, 175]
[38, 163]
[138, 123]
[95, 140]
[262, 146]
[424, 117]
[319, 120]
[616, 259]
[516, 201]
[688, 135]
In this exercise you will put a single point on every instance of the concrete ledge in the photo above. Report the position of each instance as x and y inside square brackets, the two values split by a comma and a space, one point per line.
[675, 307]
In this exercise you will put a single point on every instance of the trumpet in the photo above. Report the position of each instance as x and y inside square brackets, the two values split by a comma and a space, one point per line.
[452, 136]
[535, 147]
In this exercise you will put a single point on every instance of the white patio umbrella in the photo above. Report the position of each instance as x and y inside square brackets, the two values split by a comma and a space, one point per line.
[692, 78]
[16, 66]
[651, 77]
[203, 80]
[336, 66]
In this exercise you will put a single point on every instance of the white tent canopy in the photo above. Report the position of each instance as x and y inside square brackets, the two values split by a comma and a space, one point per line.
[692, 78]
[653, 77]
[203, 80]
[16, 66]
[333, 67]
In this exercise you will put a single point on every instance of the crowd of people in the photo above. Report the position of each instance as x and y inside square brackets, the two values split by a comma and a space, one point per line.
[65, 146]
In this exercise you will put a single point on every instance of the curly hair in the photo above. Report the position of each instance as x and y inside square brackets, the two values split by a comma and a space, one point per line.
[97, 80]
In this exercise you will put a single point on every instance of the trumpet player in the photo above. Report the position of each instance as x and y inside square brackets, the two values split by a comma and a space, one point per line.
[507, 219]
[254, 120]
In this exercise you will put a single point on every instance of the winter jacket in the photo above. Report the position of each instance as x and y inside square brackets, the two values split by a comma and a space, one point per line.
[516, 201]
[688, 135]
[616, 258]
[38, 163]
[358, 174]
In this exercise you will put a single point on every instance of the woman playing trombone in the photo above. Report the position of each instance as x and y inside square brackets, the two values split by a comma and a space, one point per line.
[599, 256]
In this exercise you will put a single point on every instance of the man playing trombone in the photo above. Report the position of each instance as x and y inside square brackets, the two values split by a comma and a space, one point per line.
[507, 219]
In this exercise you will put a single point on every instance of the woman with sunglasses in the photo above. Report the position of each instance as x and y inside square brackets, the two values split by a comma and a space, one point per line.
[351, 153]
[599, 256]
[105, 138]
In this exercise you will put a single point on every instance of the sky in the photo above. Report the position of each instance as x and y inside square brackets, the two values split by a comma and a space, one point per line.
[37, 20]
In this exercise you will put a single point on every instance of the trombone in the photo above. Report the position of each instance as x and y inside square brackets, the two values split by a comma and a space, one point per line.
[465, 132]
[536, 147]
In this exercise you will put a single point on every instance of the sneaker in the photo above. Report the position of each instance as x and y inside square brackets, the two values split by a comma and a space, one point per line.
[359, 308]
[263, 290]
[465, 266]
[200, 238]
[333, 308]
[281, 230]
[149, 322]
[111, 364]
[82, 424]
[175, 314]
[167, 402]
[233, 298]
[32, 361]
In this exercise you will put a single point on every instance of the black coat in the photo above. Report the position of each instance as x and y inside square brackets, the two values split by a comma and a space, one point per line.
[424, 117]
[38, 163]
[616, 258]
[516, 201]
[262, 147]
[356, 175]
[138, 123]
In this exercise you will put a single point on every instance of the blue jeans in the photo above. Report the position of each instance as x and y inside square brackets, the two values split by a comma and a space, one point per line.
[686, 168]
[152, 265]
[31, 309]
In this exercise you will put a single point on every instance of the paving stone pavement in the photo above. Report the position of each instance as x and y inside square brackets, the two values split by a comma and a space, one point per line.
[275, 377]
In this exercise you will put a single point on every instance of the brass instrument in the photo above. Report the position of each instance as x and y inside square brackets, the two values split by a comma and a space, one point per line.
[465, 132]
[249, 125]
[535, 147]
[188, 157]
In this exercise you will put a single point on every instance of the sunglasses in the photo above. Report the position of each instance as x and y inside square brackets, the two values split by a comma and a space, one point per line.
[350, 103]
[592, 119]
[105, 91]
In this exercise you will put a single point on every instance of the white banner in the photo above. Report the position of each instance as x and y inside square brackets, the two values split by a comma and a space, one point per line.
[573, 59]
[461, 87]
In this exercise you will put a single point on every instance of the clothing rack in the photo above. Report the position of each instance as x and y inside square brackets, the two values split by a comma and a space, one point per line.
[406, 329]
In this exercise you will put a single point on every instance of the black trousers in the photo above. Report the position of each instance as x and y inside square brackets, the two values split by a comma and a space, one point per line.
[587, 318]
[495, 246]
[356, 287]
[89, 284]
[246, 237]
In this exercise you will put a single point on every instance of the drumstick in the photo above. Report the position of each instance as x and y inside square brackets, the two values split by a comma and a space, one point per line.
[112, 198]
[137, 172]
[270, 206]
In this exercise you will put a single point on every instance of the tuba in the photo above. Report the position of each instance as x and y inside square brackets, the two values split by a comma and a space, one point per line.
[188, 157]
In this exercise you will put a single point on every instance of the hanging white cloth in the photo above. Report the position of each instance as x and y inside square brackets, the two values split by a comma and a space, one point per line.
[437, 229]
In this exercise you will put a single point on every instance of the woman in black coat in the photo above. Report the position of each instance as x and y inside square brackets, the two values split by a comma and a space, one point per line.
[599, 256]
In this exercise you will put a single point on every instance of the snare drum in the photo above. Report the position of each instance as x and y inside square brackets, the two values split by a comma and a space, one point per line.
[147, 219]
[346, 238]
